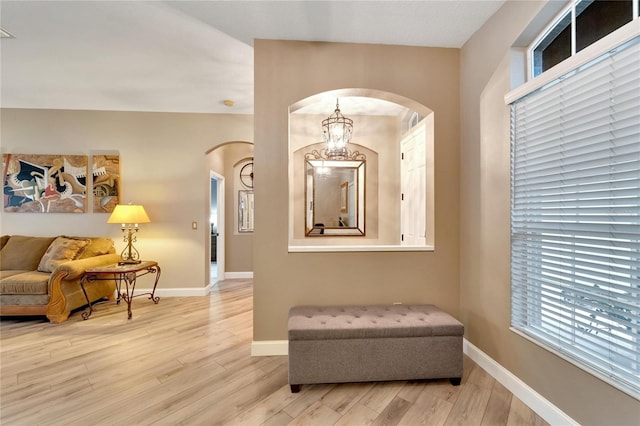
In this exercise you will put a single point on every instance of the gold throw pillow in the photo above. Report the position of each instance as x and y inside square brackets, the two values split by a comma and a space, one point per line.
[61, 250]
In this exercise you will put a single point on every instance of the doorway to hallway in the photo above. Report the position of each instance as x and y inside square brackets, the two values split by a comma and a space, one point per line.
[228, 251]
[216, 225]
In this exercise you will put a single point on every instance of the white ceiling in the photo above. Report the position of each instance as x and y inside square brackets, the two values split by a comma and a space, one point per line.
[189, 56]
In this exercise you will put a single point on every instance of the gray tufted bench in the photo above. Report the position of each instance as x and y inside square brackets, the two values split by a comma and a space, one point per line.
[372, 343]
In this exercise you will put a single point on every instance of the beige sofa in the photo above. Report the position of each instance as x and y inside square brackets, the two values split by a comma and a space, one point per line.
[41, 275]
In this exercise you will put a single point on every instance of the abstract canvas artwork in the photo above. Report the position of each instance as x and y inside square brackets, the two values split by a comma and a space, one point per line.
[45, 183]
[106, 182]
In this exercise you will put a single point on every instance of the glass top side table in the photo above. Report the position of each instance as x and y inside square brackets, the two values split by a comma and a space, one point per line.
[127, 274]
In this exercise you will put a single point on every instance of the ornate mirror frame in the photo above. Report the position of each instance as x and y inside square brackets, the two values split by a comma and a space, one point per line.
[335, 197]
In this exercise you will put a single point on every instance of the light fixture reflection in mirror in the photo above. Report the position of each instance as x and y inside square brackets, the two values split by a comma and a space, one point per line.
[334, 198]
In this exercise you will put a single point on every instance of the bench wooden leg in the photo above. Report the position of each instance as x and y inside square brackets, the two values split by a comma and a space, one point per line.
[295, 388]
[455, 381]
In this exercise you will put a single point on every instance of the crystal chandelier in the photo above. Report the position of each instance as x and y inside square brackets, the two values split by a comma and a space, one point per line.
[337, 131]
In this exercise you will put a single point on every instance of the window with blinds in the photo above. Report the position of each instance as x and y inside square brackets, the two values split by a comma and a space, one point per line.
[575, 216]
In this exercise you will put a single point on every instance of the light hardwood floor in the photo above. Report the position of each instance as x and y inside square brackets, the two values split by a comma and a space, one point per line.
[187, 361]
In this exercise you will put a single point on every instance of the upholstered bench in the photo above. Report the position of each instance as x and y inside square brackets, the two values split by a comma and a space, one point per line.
[372, 343]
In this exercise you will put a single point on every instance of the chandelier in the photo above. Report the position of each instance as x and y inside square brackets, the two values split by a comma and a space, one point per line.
[337, 131]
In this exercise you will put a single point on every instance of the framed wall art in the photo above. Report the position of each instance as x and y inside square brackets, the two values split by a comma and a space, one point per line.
[42, 183]
[106, 182]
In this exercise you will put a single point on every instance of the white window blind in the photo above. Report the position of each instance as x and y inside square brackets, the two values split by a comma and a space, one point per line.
[575, 216]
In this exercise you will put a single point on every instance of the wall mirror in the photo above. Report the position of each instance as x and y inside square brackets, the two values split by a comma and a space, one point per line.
[334, 197]
[245, 211]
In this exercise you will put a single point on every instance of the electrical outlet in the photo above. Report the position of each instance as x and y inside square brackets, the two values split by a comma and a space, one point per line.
[194, 225]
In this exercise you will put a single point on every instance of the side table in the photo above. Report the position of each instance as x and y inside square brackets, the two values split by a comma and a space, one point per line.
[127, 274]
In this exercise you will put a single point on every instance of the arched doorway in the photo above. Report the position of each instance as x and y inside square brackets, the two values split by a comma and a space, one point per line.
[230, 251]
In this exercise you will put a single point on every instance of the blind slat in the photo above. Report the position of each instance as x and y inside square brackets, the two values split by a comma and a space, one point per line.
[558, 270]
[581, 259]
[580, 158]
[608, 252]
[622, 171]
[576, 142]
[625, 304]
[568, 306]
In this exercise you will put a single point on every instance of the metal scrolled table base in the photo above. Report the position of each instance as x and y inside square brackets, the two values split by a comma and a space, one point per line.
[130, 279]
[128, 274]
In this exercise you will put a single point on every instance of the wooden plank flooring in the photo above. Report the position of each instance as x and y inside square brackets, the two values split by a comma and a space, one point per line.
[187, 361]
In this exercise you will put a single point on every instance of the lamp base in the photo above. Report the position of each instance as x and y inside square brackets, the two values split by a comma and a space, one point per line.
[129, 262]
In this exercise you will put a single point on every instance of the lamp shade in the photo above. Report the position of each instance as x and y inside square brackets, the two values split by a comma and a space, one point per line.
[128, 213]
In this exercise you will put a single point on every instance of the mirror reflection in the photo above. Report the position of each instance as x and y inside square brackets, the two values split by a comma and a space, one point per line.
[245, 211]
[335, 197]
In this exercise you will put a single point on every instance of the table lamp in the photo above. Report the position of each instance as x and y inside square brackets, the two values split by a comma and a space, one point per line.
[129, 215]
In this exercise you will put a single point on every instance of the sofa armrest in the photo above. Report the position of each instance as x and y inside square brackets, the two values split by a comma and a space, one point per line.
[57, 309]
[75, 268]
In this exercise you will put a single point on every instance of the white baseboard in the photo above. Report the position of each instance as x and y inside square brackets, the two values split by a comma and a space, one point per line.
[269, 347]
[175, 292]
[549, 412]
[193, 291]
[238, 275]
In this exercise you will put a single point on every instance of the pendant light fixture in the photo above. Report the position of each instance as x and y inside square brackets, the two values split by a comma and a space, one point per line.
[337, 130]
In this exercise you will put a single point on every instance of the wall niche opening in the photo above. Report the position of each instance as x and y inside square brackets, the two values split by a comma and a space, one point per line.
[393, 196]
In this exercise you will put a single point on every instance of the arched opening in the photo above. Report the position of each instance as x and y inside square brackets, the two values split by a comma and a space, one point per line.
[394, 137]
[229, 254]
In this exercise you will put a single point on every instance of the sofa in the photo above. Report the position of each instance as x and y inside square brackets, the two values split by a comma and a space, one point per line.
[41, 275]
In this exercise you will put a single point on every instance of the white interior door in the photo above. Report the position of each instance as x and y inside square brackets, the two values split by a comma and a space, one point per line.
[413, 186]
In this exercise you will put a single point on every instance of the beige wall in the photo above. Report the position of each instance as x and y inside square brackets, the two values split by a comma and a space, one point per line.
[484, 232]
[285, 73]
[163, 166]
